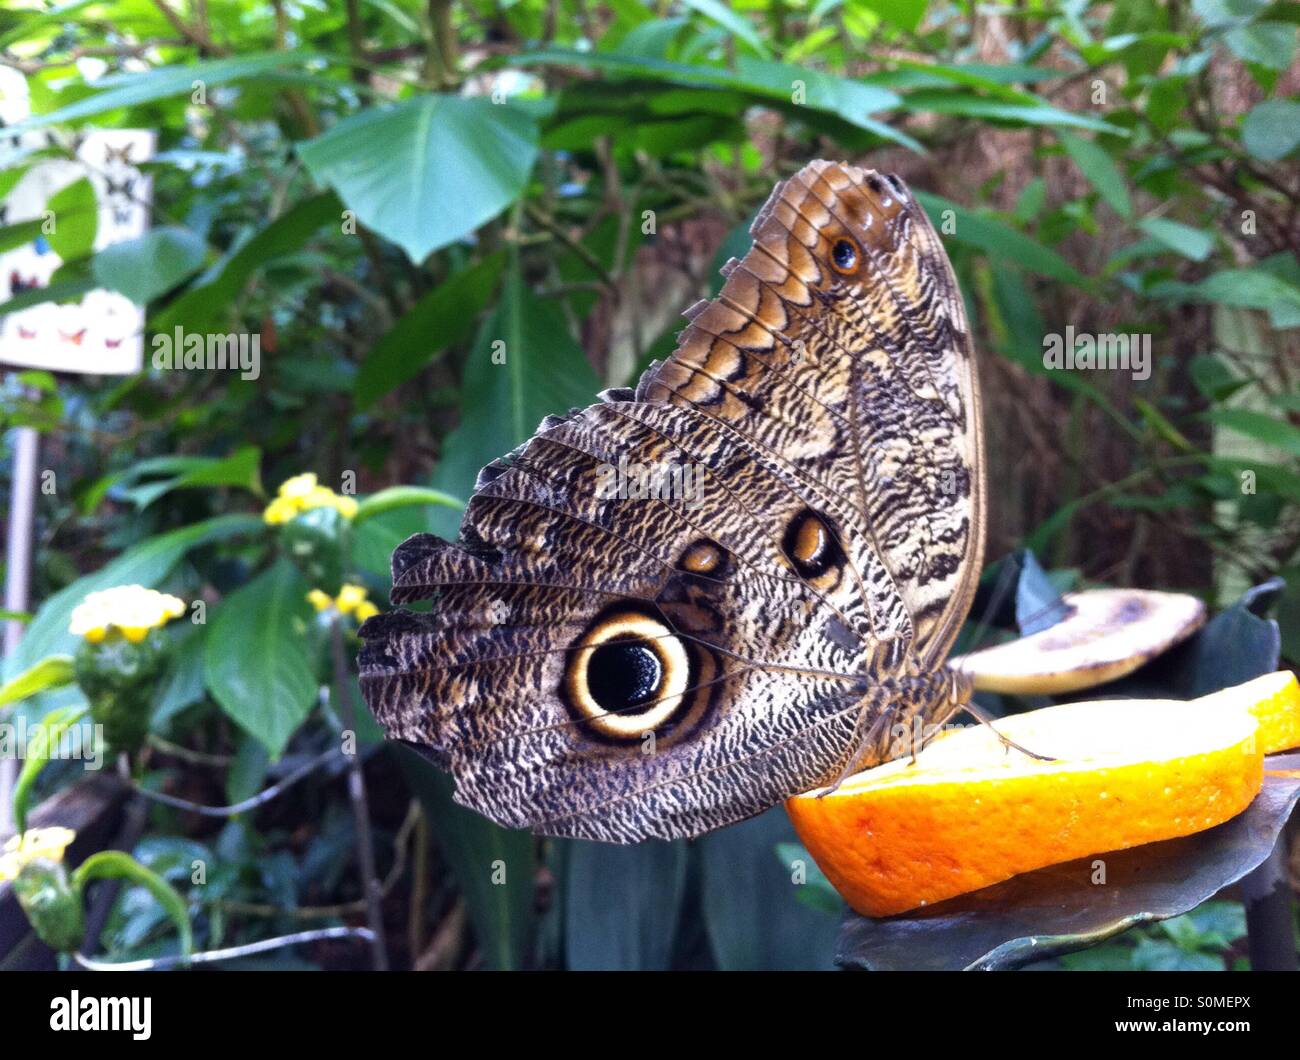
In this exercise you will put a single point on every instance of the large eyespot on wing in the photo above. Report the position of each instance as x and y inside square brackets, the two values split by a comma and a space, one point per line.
[630, 674]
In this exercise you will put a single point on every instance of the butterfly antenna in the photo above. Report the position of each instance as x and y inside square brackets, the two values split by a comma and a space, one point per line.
[1008, 576]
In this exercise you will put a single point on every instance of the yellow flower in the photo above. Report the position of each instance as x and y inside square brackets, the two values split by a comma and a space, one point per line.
[302, 493]
[365, 611]
[299, 486]
[132, 609]
[280, 510]
[47, 843]
[350, 598]
[320, 600]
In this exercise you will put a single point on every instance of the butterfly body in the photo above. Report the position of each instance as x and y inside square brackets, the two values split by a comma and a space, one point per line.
[616, 668]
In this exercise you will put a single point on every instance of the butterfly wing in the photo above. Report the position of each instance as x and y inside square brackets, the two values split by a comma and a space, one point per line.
[670, 610]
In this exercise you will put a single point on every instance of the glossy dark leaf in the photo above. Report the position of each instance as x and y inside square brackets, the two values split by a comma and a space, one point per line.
[752, 911]
[622, 905]
[1060, 909]
[494, 867]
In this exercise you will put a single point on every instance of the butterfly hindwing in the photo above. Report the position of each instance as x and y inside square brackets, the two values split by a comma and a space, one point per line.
[670, 610]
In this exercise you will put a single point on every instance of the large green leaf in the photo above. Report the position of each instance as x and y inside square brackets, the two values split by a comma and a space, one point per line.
[150, 265]
[544, 372]
[752, 911]
[428, 171]
[442, 318]
[148, 563]
[257, 658]
[622, 905]
[495, 867]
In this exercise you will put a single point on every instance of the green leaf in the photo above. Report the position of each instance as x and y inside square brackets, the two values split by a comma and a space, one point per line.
[221, 285]
[257, 658]
[118, 865]
[622, 905]
[998, 240]
[1249, 288]
[31, 21]
[42, 739]
[544, 372]
[150, 265]
[440, 319]
[733, 22]
[851, 101]
[20, 234]
[905, 14]
[494, 867]
[1270, 44]
[1271, 130]
[241, 468]
[52, 672]
[1193, 243]
[76, 220]
[59, 291]
[1259, 425]
[428, 171]
[127, 90]
[752, 911]
[1096, 164]
[401, 497]
[972, 106]
[147, 564]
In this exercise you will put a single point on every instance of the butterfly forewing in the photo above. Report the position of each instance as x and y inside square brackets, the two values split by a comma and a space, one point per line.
[603, 663]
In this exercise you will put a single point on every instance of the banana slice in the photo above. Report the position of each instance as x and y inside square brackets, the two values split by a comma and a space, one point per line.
[1107, 634]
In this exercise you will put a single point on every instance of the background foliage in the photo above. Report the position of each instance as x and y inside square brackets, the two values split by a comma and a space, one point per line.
[383, 189]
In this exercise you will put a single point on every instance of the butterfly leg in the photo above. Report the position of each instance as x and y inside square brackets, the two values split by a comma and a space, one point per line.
[866, 734]
[979, 714]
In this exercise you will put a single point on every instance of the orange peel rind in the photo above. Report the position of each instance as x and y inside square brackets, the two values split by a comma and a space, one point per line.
[968, 813]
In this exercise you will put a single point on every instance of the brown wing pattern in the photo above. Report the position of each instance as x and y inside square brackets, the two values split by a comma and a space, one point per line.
[616, 667]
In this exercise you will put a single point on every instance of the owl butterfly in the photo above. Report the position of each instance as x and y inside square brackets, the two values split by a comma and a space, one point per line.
[619, 669]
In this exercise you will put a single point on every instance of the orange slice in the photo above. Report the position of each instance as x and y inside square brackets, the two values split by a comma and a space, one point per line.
[967, 813]
[1274, 700]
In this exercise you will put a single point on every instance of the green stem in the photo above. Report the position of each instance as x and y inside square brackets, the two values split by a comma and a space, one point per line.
[116, 865]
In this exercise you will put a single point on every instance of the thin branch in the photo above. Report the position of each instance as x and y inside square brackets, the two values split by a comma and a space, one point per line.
[229, 953]
[360, 810]
[264, 796]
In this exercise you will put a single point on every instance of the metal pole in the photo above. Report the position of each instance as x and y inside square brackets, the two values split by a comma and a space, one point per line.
[18, 578]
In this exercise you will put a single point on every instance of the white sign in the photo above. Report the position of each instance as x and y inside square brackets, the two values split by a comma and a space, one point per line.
[103, 334]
